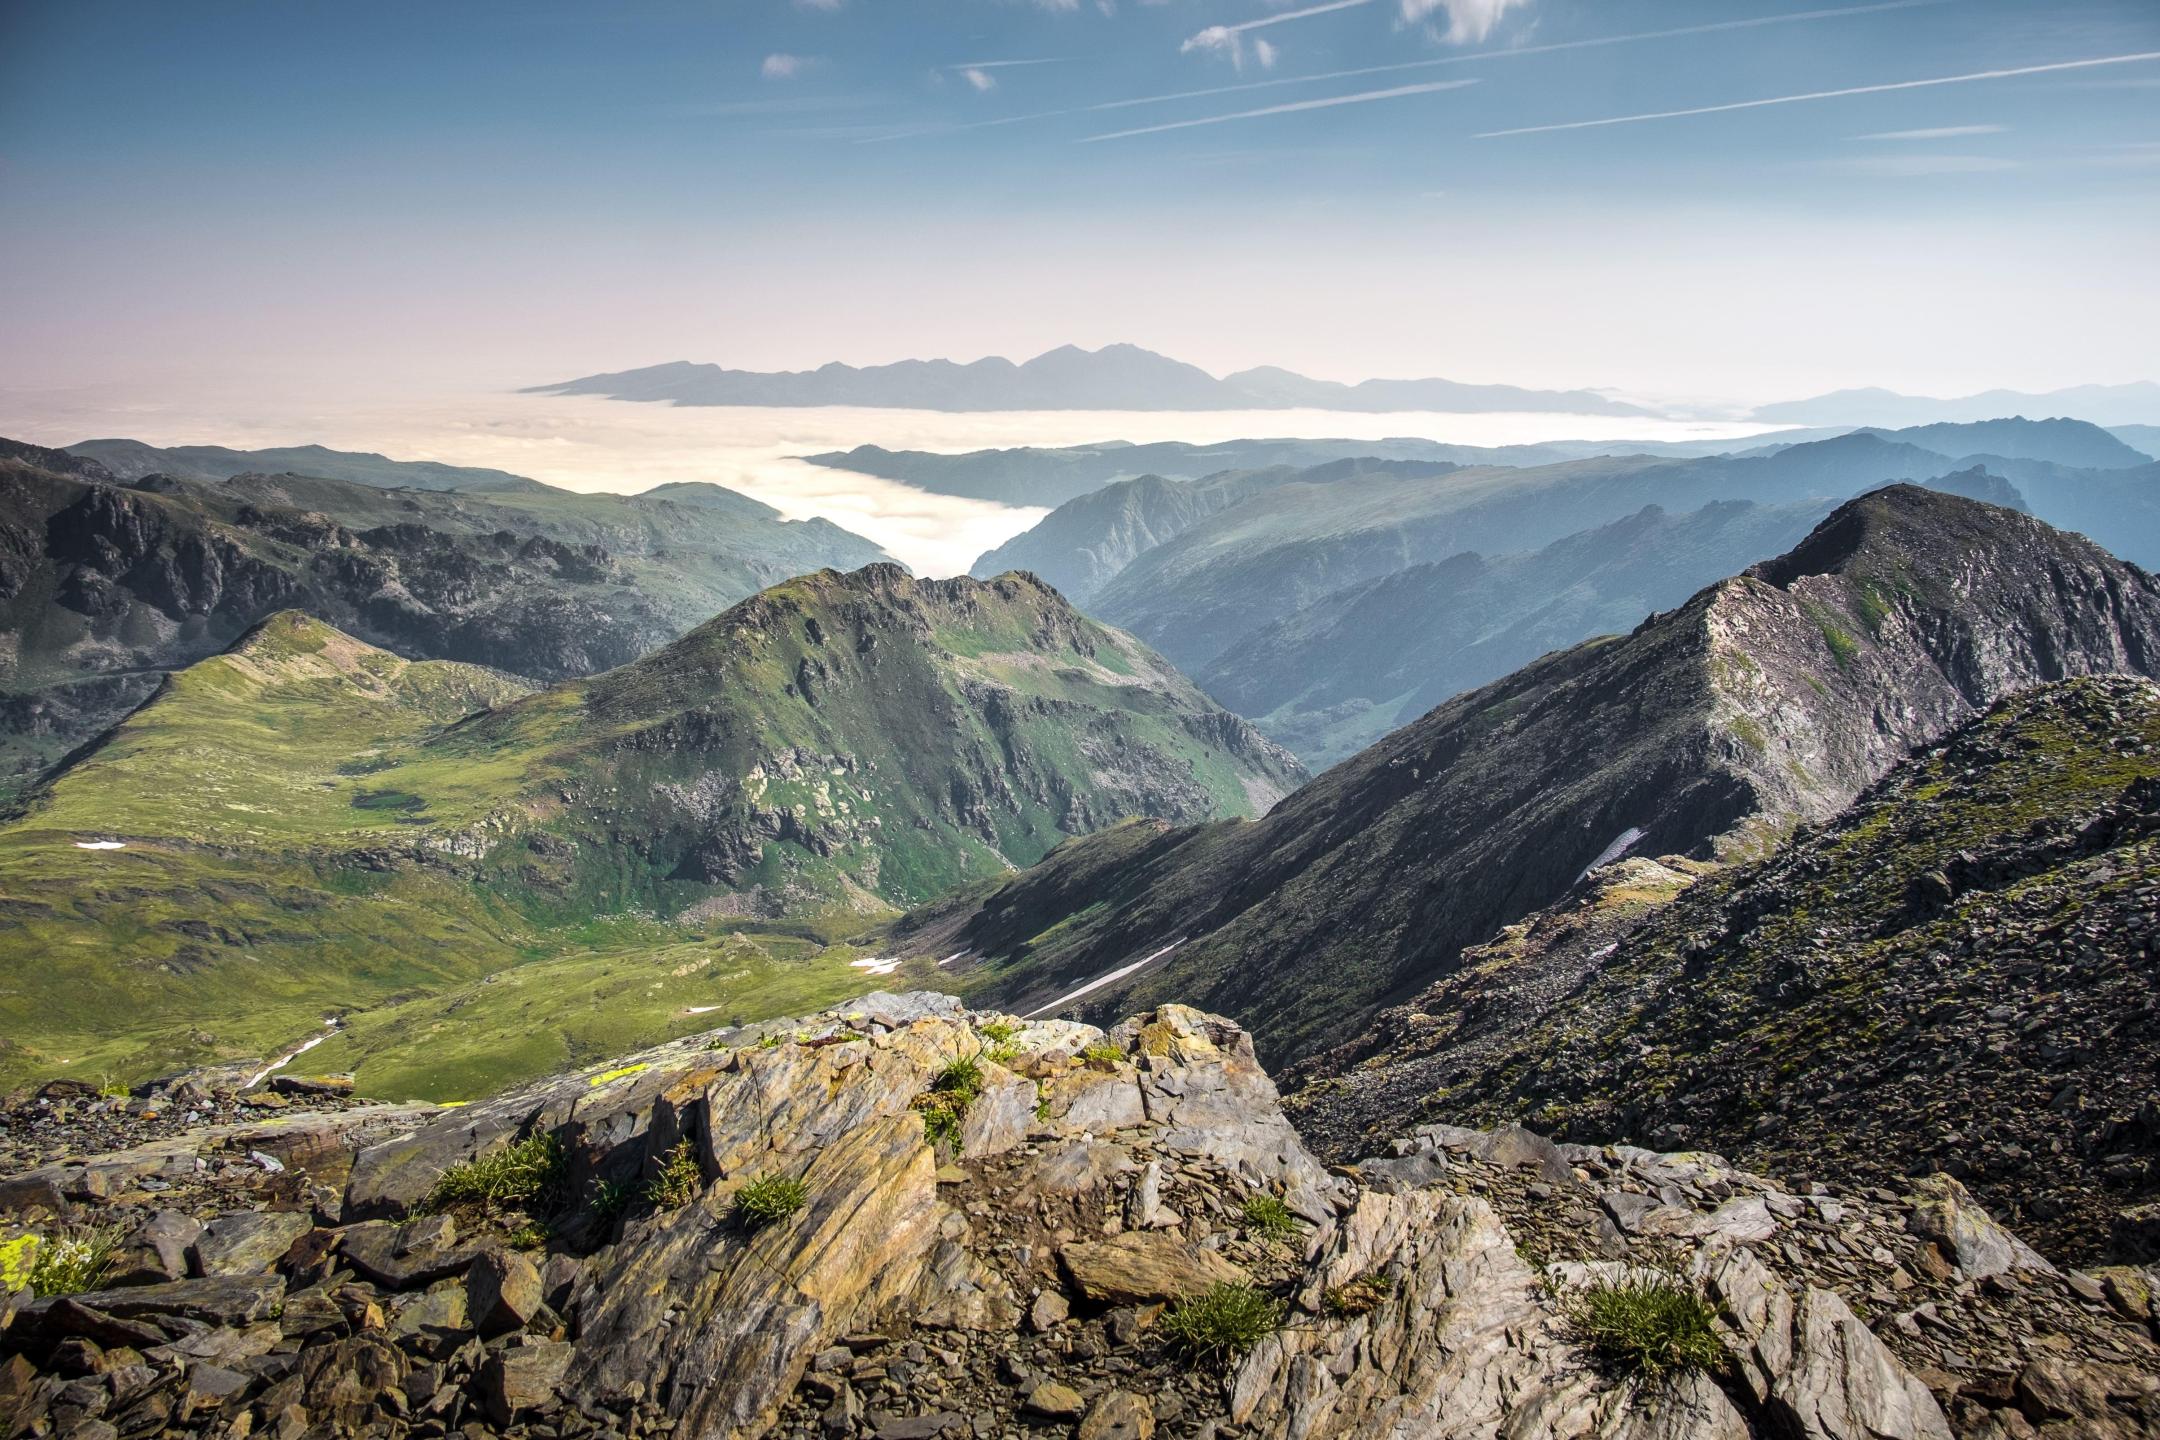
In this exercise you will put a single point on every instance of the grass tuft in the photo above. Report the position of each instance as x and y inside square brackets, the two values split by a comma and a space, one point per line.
[1649, 1327]
[1102, 1053]
[74, 1261]
[945, 1104]
[769, 1199]
[527, 1173]
[679, 1180]
[1269, 1219]
[1223, 1323]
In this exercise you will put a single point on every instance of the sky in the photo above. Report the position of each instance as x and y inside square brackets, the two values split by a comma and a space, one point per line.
[286, 202]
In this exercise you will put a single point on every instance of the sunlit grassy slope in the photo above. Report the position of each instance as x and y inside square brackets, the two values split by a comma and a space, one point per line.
[310, 826]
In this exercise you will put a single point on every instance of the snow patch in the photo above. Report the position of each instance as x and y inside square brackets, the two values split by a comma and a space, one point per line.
[1622, 843]
[1101, 980]
[875, 965]
[101, 844]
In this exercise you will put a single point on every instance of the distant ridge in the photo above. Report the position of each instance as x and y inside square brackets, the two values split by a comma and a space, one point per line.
[2137, 403]
[1116, 377]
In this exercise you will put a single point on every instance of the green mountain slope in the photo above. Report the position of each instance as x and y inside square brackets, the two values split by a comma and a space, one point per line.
[104, 587]
[298, 828]
[1957, 973]
[1769, 698]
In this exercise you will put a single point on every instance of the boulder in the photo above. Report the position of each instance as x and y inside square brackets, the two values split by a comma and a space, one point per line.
[524, 1380]
[1144, 1267]
[246, 1242]
[157, 1251]
[1945, 1212]
[503, 1292]
[1118, 1415]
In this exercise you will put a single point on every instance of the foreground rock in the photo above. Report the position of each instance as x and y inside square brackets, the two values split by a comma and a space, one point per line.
[989, 1224]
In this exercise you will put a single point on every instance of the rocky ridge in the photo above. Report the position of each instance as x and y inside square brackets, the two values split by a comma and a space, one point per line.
[1956, 974]
[1768, 699]
[991, 1218]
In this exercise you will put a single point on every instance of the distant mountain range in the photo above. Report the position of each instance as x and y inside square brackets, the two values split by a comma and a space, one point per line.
[2134, 404]
[108, 580]
[132, 459]
[1126, 377]
[1330, 603]
[1116, 377]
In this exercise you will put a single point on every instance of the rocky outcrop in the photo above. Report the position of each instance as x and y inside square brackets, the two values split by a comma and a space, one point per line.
[900, 1218]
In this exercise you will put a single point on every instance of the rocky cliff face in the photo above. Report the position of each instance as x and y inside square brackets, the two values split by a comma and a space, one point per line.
[1956, 974]
[1765, 700]
[902, 1219]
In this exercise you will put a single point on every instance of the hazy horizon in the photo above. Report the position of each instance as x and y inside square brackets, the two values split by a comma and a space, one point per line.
[592, 444]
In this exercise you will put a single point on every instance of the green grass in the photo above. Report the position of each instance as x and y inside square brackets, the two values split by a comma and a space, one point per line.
[769, 1199]
[944, 1105]
[1648, 1327]
[1224, 1322]
[1269, 1219]
[528, 1173]
[1102, 1053]
[73, 1261]
[307, 833]
[679, 1181]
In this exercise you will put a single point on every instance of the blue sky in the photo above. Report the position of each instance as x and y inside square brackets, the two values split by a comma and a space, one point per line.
[489, 193]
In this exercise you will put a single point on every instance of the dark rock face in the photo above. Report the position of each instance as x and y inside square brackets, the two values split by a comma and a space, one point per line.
[1767, 699]
[1006, 1276]
[1956, 974]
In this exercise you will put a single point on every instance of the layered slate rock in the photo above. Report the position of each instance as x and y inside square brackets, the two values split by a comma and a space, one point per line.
[931, 1277]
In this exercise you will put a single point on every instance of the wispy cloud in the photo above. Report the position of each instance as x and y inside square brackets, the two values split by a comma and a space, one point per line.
[1884, 89]
[1360, 98]
[1904, 167]
[785, 67]
[1469, 22]
[1399, 67]
[827, 6]
[1937, 132]
[977, 72]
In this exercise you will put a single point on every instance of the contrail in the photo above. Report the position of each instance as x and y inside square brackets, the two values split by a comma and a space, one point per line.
[1634, 37]
[1331, 101]
[1826, 95]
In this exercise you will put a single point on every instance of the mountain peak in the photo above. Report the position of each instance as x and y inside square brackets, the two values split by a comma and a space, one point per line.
[1902, 525]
